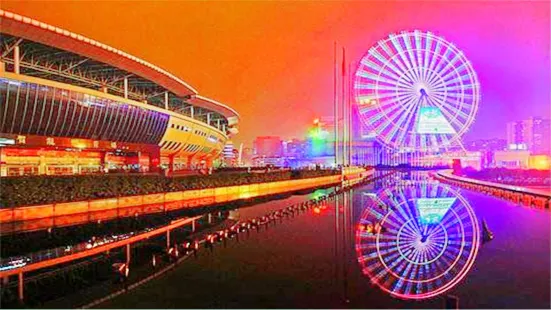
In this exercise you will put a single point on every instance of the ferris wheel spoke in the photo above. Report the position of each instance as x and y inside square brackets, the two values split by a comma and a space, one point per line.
[412, 113]
[443, 59]
[408, 106]
[382, 117]
[405, 54]
[416, 65]
[389, 118]
[378, 76]
[452, 79]
[378, 79]
[404, 64]
[428, 47]
[396, 66]
[419, 54]
[393, 72]
[450, 65]
[434, 59]
[404, 120]
[458, 73]
[373, 86]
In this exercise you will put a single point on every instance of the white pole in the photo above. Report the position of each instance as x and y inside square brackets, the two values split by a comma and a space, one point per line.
[344, 112]
[336, 105]
[16, 59]
[126, 87]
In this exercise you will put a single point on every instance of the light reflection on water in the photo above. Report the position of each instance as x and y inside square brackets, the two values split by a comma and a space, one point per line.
[417, 240]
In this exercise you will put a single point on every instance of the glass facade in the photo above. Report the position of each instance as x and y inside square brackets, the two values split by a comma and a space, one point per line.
[33, 109]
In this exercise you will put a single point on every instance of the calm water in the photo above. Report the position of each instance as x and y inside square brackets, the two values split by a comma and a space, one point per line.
[430, 246]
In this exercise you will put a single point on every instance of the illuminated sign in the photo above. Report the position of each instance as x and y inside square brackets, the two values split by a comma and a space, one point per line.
[432, 210]
[431, 121]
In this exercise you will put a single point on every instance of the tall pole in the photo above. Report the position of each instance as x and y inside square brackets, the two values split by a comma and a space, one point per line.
[344, 112]
[350, 127]
[336, 102]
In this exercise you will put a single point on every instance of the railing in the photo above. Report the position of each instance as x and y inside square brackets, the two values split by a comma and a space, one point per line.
[517, 194]
[52, 257]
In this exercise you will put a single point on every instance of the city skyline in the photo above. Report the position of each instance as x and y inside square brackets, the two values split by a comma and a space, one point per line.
[304, 136]
[273, 66]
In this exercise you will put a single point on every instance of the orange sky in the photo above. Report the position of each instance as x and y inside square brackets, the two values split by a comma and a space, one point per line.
[272, 61]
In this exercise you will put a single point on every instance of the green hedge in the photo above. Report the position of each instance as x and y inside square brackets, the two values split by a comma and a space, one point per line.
[34, 190]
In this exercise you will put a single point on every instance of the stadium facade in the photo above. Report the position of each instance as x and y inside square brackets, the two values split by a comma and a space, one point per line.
[70, 104]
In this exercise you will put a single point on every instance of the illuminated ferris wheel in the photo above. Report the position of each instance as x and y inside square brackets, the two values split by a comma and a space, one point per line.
[416, 92]
[417, 242]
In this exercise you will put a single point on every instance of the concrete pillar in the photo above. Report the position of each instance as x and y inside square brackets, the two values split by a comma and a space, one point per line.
[16, 59]
[20, 286]
[210, 218]
[166, 100]
[208, 118]
[193, 226]
[218, 123]
[126, 87]
[192, 112]
[168, 239]
[128, 254]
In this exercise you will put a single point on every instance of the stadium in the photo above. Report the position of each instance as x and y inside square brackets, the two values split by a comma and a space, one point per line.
[72, 105]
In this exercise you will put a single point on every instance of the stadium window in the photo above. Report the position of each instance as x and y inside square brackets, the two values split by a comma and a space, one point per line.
[172, 125]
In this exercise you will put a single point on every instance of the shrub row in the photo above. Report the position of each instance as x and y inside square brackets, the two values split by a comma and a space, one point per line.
[35, 190]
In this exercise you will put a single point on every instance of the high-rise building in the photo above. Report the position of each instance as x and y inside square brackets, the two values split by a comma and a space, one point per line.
[519, 135]
[541, 139]
[532, 134]
[268, 146]
[229, 154]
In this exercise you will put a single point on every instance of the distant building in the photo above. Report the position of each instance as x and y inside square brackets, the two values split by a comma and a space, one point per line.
[229, 154]
[294, 148]
[533, 134]
[512, 159]
[487, 148]
[268, 146]
[541, 136]
[466, 159]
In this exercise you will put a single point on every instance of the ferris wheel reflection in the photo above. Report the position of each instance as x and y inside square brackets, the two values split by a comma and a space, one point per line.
[417, 241]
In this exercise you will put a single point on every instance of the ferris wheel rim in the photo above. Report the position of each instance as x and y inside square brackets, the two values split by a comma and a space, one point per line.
[456, 92]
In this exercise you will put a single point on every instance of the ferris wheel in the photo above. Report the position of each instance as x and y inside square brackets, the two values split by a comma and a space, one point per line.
[416, 92]
[417, 241]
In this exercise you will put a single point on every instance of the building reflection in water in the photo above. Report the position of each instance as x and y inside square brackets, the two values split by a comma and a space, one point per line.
[417, 240]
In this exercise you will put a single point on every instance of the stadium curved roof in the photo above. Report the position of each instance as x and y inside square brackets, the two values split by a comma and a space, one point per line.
[57, 54]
